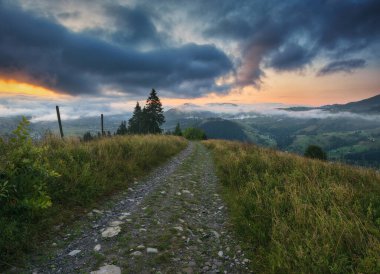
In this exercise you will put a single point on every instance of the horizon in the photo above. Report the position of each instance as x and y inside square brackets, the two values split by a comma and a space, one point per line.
[246, 53]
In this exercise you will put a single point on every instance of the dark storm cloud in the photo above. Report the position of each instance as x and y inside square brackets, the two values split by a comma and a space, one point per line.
[288, 35]
[341, 66]
[129, 26]
[134, 26]
[77, 63]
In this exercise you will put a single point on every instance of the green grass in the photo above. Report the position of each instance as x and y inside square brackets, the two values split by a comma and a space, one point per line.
[297, 215]
[55, 181]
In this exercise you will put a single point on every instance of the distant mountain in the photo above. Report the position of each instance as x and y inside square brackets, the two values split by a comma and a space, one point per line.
[370, 105]
[367, 106]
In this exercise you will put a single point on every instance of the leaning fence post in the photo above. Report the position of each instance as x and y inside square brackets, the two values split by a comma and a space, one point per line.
[59, 121]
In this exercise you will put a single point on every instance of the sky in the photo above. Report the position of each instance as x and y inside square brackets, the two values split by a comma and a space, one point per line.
[103, 56]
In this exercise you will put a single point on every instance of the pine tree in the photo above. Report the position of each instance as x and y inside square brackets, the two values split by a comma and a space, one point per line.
[135, 124]
[177, 130]
[122, 130]
[153, 114]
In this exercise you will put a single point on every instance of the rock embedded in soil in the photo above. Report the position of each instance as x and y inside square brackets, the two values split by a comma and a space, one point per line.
[74, 252]
[136, 253]
[107, 269]
[116, 223]
[111, 231]
[151, 250]
[97, 247]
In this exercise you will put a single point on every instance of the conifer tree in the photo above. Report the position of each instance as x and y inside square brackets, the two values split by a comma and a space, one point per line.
[135, 124]
[122, 128]
[153, 114]
[177, 130]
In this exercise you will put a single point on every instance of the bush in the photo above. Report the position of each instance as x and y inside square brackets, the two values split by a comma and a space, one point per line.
[315, 152]
[192, 133]
[24, 174]
[24, 178]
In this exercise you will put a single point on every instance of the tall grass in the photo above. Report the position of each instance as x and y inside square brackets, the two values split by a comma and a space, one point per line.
[298, 215]
[55, 181]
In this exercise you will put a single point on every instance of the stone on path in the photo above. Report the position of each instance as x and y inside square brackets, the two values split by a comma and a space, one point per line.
[217, 235]
[97, 211]
[116, 223]
[74, 252]
[136, 253]
[179, 228]
[111, 231]
[220, 253]
[151, 250]
[107, 269]
[97, 247]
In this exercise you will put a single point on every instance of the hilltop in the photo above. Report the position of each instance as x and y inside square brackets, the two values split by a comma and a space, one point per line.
[213, 206]
[367, 106]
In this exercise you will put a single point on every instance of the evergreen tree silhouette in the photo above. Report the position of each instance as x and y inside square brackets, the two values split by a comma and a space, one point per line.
[177, 130]
[122, 130]
[153, 114]
[135, 123]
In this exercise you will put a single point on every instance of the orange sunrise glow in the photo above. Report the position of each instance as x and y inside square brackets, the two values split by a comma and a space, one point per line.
[12, 87]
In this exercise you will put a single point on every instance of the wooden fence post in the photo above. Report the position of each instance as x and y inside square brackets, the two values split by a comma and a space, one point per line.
[59, 121]
[101, 119]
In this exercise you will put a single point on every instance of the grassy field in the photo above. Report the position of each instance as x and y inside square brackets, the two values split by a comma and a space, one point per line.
[298, 215]
[55, 181]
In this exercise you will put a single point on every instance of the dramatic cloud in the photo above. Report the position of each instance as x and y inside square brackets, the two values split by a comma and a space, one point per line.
[289, 35]
[341, 66]
[77, 63]
[182, 48]
[130, 26]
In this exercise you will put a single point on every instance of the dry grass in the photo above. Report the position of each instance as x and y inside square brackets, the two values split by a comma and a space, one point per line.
[88, 173]
[298, 215]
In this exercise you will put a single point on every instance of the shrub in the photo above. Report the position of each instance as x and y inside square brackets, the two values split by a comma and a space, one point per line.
[24, 174]
[192, 133]
[24, 177]
[315, 152]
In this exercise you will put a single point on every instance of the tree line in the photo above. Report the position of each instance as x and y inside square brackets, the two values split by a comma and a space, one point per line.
[146, 120]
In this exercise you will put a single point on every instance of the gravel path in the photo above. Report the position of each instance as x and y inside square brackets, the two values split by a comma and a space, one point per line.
[172, 222]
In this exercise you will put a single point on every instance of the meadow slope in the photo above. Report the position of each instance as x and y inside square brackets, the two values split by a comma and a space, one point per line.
[51, 183]
[298, 215]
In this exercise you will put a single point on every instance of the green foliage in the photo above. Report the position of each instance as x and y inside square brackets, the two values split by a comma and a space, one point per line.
[147, 120]
[298, 215]
[192, 133]
[153, 114]
[177, 130]
[315, 152]
[87, 137]
[135, 124]
[122, 129]
[33, 198]
[24, 174]
[24, 178]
